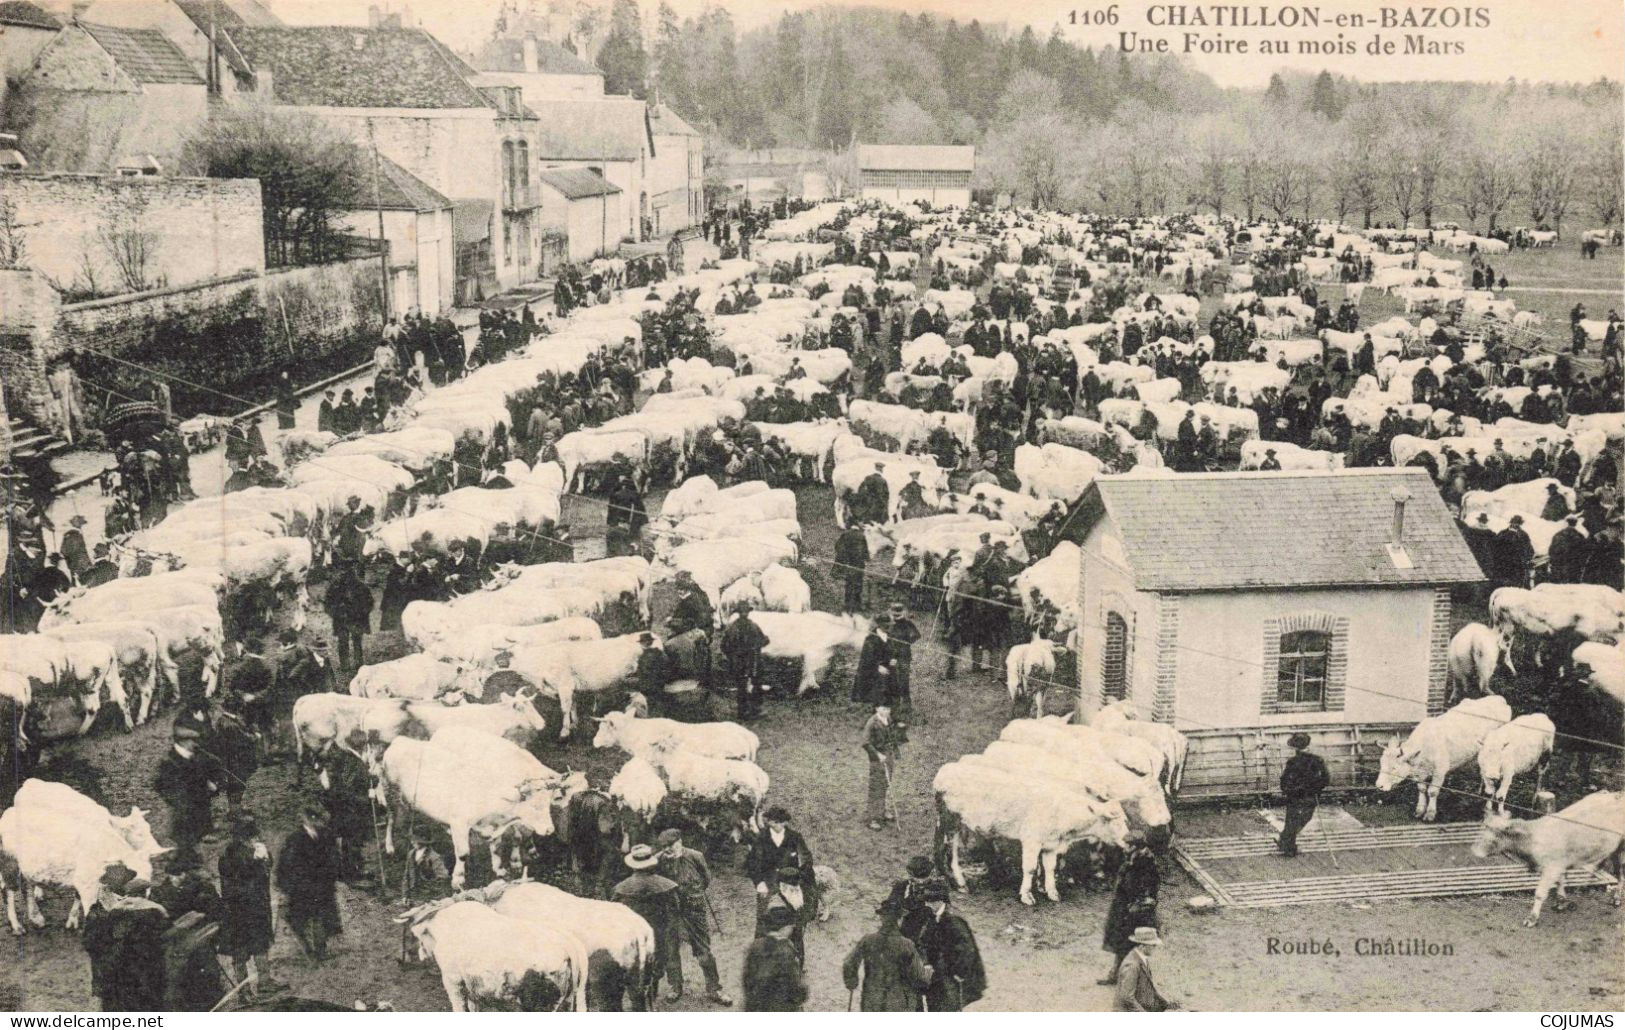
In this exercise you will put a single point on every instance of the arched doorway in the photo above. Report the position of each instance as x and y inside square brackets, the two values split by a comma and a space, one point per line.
[1114, 658]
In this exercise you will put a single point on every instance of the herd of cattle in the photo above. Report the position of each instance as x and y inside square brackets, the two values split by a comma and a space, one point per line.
[437, 748]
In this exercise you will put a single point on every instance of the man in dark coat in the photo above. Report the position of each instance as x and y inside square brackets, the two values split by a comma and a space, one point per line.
[688, 869]
[773, 979]
[1134, 903]
[349, 605]
[655, 898]
[958, 978]
[1480, 540]
[245, 894]
[693, 609]
[893, 973]
[906, 897]
[741, 645]
[851, 564]
[777, 847]
[872, 499]
[72, 546]
[307, 874]
[1567, 553]
[123, 936]
[1513, 552]
[902, 634]
[1302, 779]
[874, 679]
[187, 781]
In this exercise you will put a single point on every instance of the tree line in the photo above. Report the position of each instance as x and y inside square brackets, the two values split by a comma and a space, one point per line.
[1058, 125]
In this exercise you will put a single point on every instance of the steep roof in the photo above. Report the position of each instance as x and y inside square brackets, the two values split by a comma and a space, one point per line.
[146, 55]
[578, 183]
[224, 19]
[1260, 530]
[27, 14]
[507, 54]
[607, 128]
[666, 122]
[399, 189]
[339, 66]
[889, 158]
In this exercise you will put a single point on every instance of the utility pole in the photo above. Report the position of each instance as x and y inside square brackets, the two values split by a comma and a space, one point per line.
[383, 245]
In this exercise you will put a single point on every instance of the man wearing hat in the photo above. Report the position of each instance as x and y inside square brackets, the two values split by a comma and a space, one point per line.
[851, 565]
[300, 670]
[882, 740]
[1513, 553]
[790, 892]
[123, 936]
[655, 898]
[349, 606]
[1136, 992]
[1302, 779]
[1270, 463]
[949, 946]
[308, 870]
[894, 975]
[1567, 553]
[911, 498]
[773, 979]
[187, 781]
[873, 680]
[688, 869]
[905, 896]
[102, 569]
[872, 500]
[72, 546]
[245, 895]
[777, 847]
[901, 635]
[741, 646]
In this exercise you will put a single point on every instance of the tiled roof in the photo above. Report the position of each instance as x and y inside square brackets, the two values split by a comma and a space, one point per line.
[507, 54]
[399, 189]
[608, 128]
[886, 158]
[667, 123]
[338, 66]
[578, 183]
[26, 14]
[203, 14]
[146, 55]
[1241, 530]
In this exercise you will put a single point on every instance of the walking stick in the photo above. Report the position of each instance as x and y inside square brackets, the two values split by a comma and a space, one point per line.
[850, 991]
[709, 908]
[1327, 837]
[891, 805]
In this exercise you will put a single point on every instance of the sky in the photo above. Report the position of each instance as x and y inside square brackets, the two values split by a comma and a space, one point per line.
[1536, 40]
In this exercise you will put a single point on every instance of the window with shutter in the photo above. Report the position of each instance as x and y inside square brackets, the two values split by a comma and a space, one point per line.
[1114, 658]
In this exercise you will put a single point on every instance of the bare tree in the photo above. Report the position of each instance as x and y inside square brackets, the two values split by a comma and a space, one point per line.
[128, 245]
[13, 242]
[1602, 174]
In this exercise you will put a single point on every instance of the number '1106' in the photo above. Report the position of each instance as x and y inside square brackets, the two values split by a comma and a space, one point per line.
[1106, 16]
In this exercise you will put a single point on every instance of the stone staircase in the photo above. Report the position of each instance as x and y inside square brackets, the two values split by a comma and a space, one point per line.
[28, 440]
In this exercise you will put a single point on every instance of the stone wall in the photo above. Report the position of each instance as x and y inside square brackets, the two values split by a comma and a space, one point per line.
[219, 343]
[27, 314]
[192, 230]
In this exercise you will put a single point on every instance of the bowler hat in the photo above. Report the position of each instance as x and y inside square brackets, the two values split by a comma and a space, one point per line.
[641, 857]
[1298, 741]
[919, 867]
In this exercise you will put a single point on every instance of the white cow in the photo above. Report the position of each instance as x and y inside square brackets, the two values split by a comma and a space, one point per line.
[1123, 717]
[418, 677]
[638, 736]
[810, 637]
[1581, 837]
[487, 959]
[1522, 745]
[1437, 745]
[620, 943]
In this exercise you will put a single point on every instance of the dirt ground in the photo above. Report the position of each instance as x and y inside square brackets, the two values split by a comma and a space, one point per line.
[1042, 958]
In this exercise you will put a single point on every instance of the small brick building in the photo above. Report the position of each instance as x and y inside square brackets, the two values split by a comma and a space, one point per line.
[1242, 606]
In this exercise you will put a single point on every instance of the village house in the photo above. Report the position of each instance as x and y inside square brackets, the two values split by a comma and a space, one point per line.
[1242, 606]
[200, 29]
[25, 28]
[584, 208]
[939, 176]
[609, 135]
[543, 70]
[418, 226]
[404, 92]
[676, 172]
[100, 98]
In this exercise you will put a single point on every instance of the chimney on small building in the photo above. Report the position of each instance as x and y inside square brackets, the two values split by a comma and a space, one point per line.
[527, 47]
[1396, 532]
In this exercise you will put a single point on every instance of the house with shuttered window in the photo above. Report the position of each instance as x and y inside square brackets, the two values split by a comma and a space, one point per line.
[1243, 606]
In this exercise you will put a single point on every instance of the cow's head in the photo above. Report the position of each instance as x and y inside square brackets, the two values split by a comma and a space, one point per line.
[1497, 836]
[137, 834]
[609, 729]
[1112, 829]
[1394, 767]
